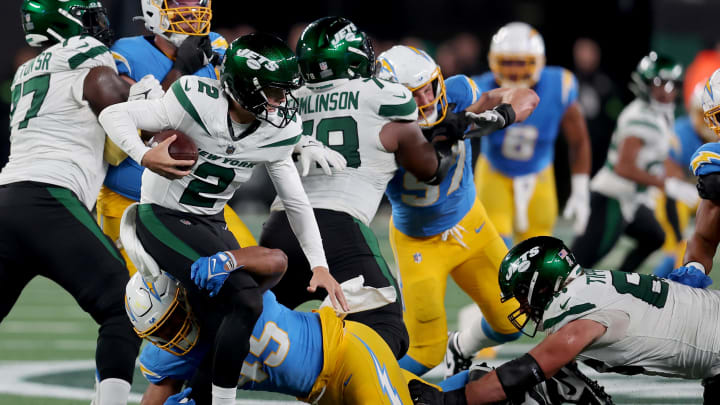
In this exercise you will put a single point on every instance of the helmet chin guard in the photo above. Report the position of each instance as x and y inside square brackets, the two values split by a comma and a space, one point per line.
[175, 20]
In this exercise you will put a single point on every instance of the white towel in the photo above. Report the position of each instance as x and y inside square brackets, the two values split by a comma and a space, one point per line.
[146, 265]
[523, 188]
[362, 298]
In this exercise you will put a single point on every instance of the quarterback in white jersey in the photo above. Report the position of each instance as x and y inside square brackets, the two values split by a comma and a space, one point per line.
[54, 173]
[370, 122]
[621, 202]
[615, 322]
[237, 122]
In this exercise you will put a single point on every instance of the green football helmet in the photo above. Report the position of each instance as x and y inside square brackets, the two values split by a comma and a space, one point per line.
[256, 64]
[47, 22]
[655, 70]
[333, 48]
[532, 272]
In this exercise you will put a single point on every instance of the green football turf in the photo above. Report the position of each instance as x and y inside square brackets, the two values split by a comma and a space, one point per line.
[46, 327]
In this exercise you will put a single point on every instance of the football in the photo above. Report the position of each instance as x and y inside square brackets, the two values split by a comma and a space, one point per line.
[182, 148]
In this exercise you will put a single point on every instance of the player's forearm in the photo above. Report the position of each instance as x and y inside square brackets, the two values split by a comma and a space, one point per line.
[580, 157]
[629, 171]
[170, 78]
[523, 102]
[300, 214]
[578, 138]
[121, 128]
[486, 390]
[267, 266]
[703, 243]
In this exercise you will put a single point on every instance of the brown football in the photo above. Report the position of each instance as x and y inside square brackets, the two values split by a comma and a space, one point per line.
[182, 148]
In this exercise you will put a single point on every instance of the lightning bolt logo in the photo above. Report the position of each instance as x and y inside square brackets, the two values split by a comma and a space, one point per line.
[383, 377]
[704, 157]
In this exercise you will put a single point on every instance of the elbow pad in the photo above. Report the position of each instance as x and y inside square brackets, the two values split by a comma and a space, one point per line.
[446, 156]
[708, 186]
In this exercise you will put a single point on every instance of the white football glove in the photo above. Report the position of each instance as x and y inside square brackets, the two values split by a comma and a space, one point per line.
[486, 123]
[681, 191]
[578, 205]
[312, 151]
[147, 88]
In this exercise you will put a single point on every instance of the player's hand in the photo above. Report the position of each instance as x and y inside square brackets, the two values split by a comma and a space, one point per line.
[194, 53]
[452, 128]
[690, 275]
[180, 398]
[148, 88]
[159, 161]
[312, 151]
[490, 121]
[681, 191]
[211, 272]
[578, 205]
[323, 279]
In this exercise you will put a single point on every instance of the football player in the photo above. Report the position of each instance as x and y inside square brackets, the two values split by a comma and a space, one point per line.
[674, 216]
[237, 122]
[636, 162]
[514, 177]
[703, 243]
[371, 123]
[54, 174]
[607, 319]
[181, 44]
[441, 229]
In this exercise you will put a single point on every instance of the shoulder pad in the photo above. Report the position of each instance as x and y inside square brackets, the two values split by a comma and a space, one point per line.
[706, 159]
[461, 91]
[392, 101]
[218, 42]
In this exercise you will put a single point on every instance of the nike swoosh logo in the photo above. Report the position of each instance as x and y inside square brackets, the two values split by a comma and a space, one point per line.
[477, 230]
[85, 45]
[347, 381]
[563, 306]
[404, 96]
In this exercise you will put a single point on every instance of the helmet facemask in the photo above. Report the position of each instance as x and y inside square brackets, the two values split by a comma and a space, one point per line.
[96, 23]
[186, 17]
[516, 71]
[712, 119]
[438, 105]
[258, 103]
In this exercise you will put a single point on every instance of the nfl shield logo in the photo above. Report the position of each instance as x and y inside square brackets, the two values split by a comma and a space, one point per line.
[417, 257]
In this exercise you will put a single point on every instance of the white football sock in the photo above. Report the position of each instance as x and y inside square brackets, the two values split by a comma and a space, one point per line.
[112, 391]
[472, 339]
[223, 396]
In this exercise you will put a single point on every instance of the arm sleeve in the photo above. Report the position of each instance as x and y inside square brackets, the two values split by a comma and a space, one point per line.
[122, 121]
[289, 188]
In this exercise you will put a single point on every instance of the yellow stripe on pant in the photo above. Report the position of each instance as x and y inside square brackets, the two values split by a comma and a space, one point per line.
[672, 245]
[425, 264]
[495, 190]
[110, 208]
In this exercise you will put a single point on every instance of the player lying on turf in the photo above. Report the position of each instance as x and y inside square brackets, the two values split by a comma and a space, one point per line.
[619, 322]
[315, 356]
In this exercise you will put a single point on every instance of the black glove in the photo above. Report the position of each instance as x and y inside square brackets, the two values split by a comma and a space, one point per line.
[194, 53]
[452, 127]
[490, 121]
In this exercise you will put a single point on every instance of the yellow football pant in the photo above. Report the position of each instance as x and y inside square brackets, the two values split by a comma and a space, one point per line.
[359, 368]
[672, 245]
[495, 190]
[111, 205]
[425, 264]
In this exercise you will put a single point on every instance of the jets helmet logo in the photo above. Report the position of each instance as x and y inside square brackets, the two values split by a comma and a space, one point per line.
[255, 61]
[522, 264]
[347, 33]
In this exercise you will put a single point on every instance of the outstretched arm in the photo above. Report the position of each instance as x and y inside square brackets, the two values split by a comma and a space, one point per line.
[523, 101]
[542, 362]
[576, 133]
[412, 151]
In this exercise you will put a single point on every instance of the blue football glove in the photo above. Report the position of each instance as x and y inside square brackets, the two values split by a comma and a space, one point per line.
[180, 398]
[690, 275]
[211, 272]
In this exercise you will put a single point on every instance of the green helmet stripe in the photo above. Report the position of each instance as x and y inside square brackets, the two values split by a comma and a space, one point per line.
[187, 104]
[80, 58]
[574, 310]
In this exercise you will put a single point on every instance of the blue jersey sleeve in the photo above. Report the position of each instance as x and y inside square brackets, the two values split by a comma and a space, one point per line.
[706, 159]
[461, 91]
[122, 50]
[157, 364]
[569, 93]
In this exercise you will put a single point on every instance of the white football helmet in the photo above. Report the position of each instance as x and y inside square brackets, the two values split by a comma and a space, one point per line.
[175, 20]
[711, 102]
[517, 55]
[414, 68]
[159, 312]
[697, 115]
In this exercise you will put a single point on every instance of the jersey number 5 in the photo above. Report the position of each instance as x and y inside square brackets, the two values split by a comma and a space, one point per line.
[253, 370]
[38, 86]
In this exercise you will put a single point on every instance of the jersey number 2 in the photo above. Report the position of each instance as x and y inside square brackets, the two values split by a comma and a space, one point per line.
[191, 195]
[38, 86]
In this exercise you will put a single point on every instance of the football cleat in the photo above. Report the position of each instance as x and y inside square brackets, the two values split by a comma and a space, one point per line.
[572, 386]
[455, 361]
